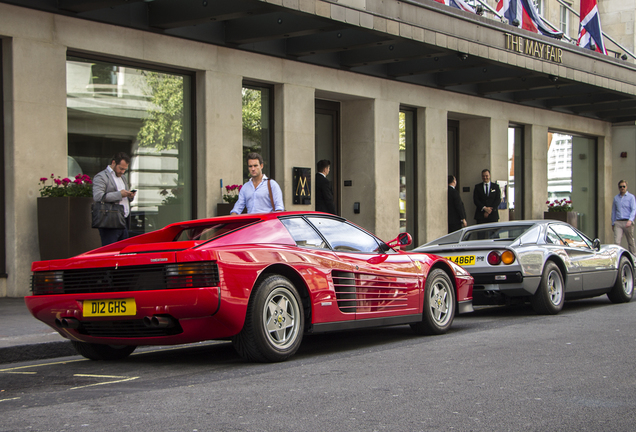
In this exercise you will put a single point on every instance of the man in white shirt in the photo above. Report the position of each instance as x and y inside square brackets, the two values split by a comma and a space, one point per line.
[110, 185]
[260, 194]
[623, 214]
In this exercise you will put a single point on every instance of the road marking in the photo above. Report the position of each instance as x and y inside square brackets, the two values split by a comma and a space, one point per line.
[102, 383]
[42, 364]
[22, 373]
[99, 376]
[10, 399]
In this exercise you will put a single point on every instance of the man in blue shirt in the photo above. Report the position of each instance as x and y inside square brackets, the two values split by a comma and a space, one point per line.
[259, 192]
[623, 213]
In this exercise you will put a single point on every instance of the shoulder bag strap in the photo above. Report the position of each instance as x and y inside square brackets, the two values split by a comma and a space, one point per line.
[271, 196]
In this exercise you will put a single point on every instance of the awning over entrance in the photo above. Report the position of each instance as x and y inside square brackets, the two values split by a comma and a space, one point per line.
[420, 42]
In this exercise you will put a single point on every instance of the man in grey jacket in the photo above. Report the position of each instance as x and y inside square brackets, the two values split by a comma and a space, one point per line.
[111, 185]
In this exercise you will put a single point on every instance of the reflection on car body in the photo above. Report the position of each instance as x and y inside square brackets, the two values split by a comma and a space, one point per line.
[543, 261]
[261, 280]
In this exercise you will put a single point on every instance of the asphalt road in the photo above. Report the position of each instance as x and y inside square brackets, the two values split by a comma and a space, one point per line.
[499, 369]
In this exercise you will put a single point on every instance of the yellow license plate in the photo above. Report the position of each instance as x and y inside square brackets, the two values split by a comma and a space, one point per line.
[464, 260]
[111, 307]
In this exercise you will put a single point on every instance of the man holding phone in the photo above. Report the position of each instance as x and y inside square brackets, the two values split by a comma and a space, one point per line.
[111, 185]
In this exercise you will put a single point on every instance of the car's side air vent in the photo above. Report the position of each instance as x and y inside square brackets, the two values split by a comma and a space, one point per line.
[345, 286]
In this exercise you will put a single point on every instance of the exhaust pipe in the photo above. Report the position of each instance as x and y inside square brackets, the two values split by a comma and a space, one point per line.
[67, 323]
[158, 321]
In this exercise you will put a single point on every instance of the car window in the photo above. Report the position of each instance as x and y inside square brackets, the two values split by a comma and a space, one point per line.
[207, 232]
[303, 234]
[345, 237]
[570, 237]
[553, 238]
[496, 233]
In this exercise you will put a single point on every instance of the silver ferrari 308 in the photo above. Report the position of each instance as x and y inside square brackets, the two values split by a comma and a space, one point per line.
[544, 262]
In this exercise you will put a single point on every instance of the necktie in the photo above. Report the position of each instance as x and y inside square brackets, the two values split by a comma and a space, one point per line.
[486, 189]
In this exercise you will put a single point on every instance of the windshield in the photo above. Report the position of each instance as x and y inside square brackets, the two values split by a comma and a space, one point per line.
[211, 231]
[510, 232]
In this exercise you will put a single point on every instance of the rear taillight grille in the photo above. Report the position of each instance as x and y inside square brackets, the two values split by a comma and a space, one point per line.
[126, 278]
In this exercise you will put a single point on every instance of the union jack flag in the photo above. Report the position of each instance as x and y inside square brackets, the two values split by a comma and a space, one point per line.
[523, 14]
[459, 4]
[590, 29]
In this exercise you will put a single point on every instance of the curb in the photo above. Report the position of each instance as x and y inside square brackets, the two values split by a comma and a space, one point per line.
[39, 351]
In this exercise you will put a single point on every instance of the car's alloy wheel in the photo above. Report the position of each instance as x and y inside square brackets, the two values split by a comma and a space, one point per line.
[623, 289]
[549, 298]
[274, 322]
[439, 304]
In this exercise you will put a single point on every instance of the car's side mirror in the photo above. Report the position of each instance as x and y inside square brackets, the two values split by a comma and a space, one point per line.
[403, 239]
[596, 244]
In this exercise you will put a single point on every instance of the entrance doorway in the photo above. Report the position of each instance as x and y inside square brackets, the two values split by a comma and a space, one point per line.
[327, 142]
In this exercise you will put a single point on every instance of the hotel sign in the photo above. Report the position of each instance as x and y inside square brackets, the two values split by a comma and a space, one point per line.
[533, 48]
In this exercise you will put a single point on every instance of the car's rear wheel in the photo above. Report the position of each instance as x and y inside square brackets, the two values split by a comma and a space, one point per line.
[623, 289]
[439, 305]
[274, 322]
[103, 352]
[549, 298]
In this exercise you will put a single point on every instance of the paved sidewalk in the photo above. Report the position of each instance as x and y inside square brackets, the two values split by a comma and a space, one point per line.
[23, 338]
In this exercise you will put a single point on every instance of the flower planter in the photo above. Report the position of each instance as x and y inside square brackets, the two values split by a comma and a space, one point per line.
[64, 227]
[569, 217]
[224, 209]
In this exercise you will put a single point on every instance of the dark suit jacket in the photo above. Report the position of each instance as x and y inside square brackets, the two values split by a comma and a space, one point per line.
[456, 211]
[481, 200]
[324, 195]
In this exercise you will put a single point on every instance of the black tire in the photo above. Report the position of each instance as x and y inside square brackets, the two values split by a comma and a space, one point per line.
[274, 323]
[103, 352]
[623, 289]
[550, 296]
[439, 305]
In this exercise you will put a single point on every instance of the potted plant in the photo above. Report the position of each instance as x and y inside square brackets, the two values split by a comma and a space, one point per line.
[64, 217]
[561, 210]
[229, 197]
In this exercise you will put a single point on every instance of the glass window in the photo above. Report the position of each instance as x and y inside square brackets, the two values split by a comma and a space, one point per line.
[114, 108]
[408, 219]
[508, 232]
[564, 20]
[208, 232]
[303, 234]
[344, 237]
[257, 126]
[570, 237]
[553, 238]
[515, 172]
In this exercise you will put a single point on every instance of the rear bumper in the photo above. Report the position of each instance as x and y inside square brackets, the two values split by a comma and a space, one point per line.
[490, 289]
[194, 312]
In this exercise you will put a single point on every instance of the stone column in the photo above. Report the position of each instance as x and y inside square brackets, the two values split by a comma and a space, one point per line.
[371, 161]
[536, 171]
[219, 137]
[294, 117]
[432, 163]
[35, 145]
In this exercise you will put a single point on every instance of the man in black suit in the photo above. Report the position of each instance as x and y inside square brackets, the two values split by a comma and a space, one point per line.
[324, 194]
[487, 197]
[456, 211]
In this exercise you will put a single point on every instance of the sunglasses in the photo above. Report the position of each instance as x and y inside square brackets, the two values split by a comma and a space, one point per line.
[622, 187]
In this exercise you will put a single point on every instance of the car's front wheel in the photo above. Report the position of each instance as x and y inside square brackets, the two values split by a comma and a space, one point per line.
[439, 305]
[623, 289]
[103, 352]
[274, 322]
[549, 298]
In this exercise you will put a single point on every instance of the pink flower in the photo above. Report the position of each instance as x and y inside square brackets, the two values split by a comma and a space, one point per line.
[66, 180]
[57, 181]
[43, 179]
